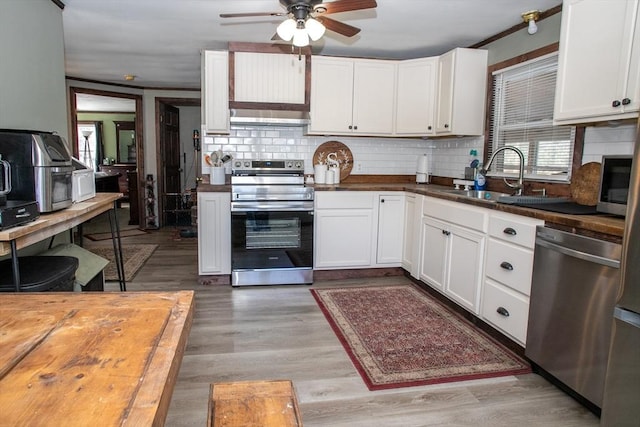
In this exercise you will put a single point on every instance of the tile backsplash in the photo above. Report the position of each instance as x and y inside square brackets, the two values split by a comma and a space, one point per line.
[391, 156]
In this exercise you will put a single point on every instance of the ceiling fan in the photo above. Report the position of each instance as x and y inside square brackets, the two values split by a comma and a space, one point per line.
[307, 20]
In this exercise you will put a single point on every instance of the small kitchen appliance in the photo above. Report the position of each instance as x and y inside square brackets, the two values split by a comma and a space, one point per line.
[13, 212]
[83, 181]
[615, 176]
[271, 223]
[422, 170]
[41, 168]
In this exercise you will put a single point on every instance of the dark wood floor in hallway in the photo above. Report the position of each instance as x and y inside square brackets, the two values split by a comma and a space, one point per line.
[278, 332]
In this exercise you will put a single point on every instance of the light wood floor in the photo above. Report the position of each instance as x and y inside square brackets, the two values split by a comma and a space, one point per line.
[278, 332]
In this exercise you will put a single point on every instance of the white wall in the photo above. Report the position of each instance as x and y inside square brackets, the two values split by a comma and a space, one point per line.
[32, 87]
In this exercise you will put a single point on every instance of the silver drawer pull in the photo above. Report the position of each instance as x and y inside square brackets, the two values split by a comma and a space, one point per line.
[502, 311]
[506, 265]
[510, 231]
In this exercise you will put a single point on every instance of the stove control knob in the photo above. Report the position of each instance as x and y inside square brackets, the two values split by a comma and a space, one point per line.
[289, 165]
[247, 164]
[237, 164]
[298, 165]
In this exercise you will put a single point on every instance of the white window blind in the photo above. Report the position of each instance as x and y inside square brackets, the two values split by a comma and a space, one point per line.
[523, 98]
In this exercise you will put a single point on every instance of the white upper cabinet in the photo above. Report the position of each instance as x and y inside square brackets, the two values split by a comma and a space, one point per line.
[462, 87]
[269, 78]
[215, 91]
[352, 96]
[599, 61]
[415, 97]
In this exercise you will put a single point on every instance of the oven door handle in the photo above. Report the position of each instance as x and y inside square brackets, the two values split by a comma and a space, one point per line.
[271, 206]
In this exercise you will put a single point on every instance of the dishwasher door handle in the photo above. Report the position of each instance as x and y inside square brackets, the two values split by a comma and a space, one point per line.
[579, 254]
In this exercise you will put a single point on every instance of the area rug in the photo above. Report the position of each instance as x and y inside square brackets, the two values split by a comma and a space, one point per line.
[398, 336]
[134, 257]
[123, 233]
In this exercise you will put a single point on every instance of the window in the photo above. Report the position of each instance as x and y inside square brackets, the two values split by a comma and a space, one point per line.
[522, 102]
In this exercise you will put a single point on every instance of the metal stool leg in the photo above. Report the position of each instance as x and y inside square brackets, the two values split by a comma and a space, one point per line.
[117, 246]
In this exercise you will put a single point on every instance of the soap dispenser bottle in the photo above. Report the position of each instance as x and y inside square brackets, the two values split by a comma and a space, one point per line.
[480, 181]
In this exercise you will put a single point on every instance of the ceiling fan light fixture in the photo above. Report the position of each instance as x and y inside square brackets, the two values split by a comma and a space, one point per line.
[287, 29]
[300, 37]
[315, 29]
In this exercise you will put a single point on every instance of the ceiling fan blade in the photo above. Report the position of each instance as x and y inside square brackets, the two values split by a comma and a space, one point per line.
[345, 6]
[249, 14]
[338, 27]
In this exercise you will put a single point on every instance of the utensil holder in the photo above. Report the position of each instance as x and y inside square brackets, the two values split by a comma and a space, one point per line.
[217, 176]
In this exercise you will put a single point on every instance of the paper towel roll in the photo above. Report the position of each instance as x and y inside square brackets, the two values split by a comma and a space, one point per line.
[422, 169]
[423, 164]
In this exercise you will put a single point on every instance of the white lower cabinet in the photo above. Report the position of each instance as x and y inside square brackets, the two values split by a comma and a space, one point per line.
[506, 309]
[358, 229]
[390, 228]
[411, 233]
[214, 233]
[508, 272]
[452, 254]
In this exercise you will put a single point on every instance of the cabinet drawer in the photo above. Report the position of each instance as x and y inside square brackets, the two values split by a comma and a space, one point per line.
[344, 200]
[510, 265]
[516, 229]
[455, 213]
[513, 321]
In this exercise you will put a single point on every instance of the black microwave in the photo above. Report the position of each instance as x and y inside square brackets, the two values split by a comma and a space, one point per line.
[615, 175]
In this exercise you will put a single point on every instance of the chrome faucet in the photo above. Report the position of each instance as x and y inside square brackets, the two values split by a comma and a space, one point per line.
[519, 186]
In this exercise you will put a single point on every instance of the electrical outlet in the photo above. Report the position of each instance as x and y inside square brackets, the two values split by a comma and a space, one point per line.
[359, 167]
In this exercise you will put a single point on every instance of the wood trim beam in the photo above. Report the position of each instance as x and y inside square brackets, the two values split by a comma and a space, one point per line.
[543, 15]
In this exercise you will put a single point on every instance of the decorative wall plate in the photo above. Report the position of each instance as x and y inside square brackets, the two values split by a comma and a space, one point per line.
[343, 155]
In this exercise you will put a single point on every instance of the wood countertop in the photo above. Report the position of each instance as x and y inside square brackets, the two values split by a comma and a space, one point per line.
[609, 227]
[103, 359]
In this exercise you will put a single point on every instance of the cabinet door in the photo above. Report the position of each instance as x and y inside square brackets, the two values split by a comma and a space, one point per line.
[373, 97]
[466, 252]
[411, 241]
[215, 91]
[597, 67]
[462, 89]
[444, 109]
[416, 96]
[331, 95]
[343, 238]
[390, 228]
[214, 233]
[434, 244]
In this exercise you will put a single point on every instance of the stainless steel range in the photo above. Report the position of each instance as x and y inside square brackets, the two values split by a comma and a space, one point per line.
[271, 223]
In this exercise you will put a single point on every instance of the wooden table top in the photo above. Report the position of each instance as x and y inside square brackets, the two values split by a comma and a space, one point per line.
[50, 224]
[106, 359]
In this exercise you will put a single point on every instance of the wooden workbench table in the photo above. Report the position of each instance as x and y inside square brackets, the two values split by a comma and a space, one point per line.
[50, 224]
[85, 359]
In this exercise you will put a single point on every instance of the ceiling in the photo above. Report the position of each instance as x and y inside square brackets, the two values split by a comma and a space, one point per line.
[159, 41]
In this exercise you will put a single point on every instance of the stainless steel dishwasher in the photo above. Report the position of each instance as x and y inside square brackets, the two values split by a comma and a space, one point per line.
[573, 293]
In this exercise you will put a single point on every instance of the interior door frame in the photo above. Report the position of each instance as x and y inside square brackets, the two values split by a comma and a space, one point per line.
[73, 111]
[175, 102]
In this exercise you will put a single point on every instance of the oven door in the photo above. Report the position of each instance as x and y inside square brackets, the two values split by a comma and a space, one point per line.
[271, 239]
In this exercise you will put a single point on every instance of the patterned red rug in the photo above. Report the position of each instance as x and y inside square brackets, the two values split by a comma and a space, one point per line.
[398, 336]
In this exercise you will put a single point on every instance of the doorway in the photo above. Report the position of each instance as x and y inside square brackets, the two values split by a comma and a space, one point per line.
[105, 109]
[176, 119]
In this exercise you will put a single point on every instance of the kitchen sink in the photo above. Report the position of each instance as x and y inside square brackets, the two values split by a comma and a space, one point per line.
[490, 196]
